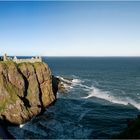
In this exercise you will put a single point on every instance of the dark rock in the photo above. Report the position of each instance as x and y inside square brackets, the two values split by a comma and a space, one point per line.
[55, 83]
[61, 84]
[4, 134]
[131, 132]
[62, 88]
[58, 85]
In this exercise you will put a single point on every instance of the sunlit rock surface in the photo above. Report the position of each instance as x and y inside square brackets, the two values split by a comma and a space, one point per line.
[25, 90]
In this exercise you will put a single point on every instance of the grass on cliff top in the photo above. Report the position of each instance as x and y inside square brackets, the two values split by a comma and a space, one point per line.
[37, 63]
[10, 61]
[7, 62]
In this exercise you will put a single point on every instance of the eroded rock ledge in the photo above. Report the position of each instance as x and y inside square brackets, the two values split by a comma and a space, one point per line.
[25, 90]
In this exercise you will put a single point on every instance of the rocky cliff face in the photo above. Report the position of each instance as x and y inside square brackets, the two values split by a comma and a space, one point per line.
[25, 90]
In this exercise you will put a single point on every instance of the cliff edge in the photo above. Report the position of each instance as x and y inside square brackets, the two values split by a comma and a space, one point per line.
[25, 90]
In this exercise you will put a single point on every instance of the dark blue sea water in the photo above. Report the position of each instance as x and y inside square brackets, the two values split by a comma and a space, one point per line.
[105, 93]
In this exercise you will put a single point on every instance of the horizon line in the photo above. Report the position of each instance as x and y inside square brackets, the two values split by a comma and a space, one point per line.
[66, 56]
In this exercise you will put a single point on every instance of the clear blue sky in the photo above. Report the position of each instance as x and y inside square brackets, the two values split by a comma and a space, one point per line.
[70, 28]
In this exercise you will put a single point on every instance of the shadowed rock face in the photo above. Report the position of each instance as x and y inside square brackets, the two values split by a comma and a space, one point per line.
[61, 85]
[25, 90]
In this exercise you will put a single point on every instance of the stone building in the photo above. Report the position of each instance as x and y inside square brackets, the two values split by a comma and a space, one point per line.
[17, 60]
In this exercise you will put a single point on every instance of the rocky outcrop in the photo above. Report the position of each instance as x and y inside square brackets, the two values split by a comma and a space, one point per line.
[25, 90]
[61, 85]
[132, 131]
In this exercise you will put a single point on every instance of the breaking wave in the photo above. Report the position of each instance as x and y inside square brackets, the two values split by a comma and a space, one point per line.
[21, 125]
[69, 82]
[106, 95]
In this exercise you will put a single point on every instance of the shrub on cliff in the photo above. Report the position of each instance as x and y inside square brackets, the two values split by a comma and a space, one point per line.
[132, 131]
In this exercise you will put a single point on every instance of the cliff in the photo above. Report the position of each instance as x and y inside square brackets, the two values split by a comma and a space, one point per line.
[25, 90]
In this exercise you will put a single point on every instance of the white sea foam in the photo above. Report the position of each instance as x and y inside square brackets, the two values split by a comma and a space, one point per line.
[106, 95]
[65, 80]
[98, 93]
[76, 81]
[69, 83]
[85, 87]
[21, 125]
[72, 81]
[134, 103]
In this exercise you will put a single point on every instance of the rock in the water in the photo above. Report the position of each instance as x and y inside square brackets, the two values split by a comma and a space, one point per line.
[63, 84]
[25, 90]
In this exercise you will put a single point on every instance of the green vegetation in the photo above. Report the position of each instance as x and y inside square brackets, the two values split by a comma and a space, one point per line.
[37, 64]
[23, 63]
[132, 132]
[12, 92]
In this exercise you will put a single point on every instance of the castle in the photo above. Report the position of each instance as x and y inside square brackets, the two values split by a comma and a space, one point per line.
[17, 60]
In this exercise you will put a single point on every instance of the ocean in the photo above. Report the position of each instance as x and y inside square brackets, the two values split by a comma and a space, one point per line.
[105, 92]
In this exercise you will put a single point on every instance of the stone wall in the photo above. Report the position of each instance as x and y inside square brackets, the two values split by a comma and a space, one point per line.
[28, 60]
[32, 60]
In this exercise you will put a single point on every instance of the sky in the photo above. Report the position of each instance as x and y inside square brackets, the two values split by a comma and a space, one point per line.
[69, 28]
